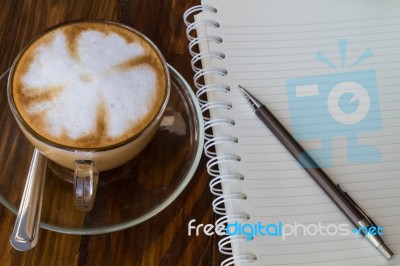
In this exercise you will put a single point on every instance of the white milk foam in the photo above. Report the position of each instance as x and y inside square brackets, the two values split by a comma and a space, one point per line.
[88, 82]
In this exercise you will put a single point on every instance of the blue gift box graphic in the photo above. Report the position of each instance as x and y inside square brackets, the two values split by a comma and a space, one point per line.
[340, 104]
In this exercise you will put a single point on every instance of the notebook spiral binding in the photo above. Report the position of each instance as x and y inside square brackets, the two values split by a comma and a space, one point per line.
[215, 160]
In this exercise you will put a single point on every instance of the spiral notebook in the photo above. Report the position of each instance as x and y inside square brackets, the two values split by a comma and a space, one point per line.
[330, 72]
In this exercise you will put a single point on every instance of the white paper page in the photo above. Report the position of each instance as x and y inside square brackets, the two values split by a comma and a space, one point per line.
[299, 58]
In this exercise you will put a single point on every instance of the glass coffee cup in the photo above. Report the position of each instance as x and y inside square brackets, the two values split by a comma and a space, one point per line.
[89, 95]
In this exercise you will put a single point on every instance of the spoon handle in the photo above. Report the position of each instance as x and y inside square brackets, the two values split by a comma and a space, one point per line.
[25, 234]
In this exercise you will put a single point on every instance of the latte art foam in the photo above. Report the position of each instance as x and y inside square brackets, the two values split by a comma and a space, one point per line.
[89, 85]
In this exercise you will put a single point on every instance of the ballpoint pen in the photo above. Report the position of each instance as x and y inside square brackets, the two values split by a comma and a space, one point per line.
[348, 206]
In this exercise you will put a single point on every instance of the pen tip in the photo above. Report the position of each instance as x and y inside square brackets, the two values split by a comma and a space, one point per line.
[242, 89]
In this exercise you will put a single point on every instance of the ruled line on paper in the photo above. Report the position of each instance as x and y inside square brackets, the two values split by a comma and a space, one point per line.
[260, 71]
[258, 180]
[246, 108]
[265, 152]
[251, 126]
[296, 170]
[272, 63]
[303, 196]
[325, 38]
[321, 194]
[319, 47]
[319, 204]
[309, 242]
[307, 201]
[316, 186]
[274, 143]
[313, 252]
[321, 261]
[278, 145]
[363, 257]
[299, 215]
[305, 60]
[319, 158]
[318, 242]
[285, 78]
[305, 135]
[270, 86]
[369, 27]
[333, 22]
[268, 91]
[304, 49]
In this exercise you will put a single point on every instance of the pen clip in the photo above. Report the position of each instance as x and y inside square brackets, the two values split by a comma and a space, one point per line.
[352, 202]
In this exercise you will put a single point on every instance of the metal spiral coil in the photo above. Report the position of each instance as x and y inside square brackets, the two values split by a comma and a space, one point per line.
[240, 258]
[212, 141]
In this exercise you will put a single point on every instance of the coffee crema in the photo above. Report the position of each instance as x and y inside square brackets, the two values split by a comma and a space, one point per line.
[89, 84]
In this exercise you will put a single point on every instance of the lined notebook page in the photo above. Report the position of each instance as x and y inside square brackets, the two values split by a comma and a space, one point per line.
[278, 50]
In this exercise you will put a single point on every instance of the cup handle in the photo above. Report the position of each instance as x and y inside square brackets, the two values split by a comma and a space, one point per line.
[85, 184]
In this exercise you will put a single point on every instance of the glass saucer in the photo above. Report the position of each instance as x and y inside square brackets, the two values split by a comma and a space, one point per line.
[126, 196]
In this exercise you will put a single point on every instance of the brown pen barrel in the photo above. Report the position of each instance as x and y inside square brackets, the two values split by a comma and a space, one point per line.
[313, 169]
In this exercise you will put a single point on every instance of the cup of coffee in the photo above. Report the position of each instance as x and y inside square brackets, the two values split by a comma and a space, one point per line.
[89, 95]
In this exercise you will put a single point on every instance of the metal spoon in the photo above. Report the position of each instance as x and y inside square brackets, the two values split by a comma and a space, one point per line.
[26, 229]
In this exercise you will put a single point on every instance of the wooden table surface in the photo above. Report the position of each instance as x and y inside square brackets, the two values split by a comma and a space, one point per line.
[162, 240]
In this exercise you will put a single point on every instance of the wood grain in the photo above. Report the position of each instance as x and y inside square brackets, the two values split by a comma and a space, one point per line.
[162, 240]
